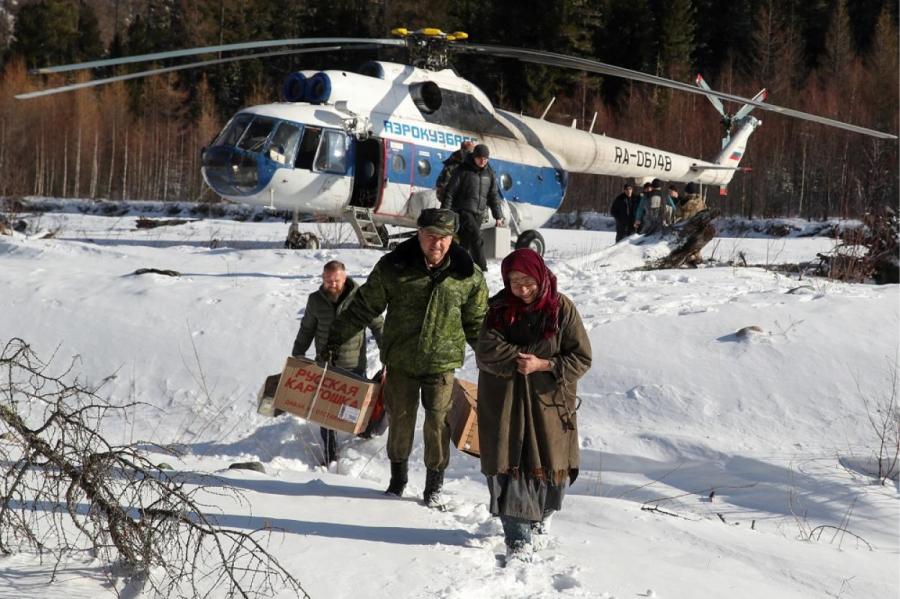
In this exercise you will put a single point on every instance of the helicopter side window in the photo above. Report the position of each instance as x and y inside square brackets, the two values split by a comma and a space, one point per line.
[423, 166]
[233, 131]
[281, 148]
[257, 134]
[505, 181]
[332, 157]
[308, 146]
[398, 163]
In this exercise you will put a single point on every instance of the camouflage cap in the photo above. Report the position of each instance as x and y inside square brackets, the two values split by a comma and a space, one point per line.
[437, 220]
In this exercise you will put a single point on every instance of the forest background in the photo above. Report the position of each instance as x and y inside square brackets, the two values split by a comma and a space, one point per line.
[142, 140]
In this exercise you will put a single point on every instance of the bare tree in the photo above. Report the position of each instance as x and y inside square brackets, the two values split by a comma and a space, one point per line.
[68, 490]
[867, 252]
[883, 413]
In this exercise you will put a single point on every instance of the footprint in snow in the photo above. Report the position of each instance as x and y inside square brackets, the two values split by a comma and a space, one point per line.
[565, 581]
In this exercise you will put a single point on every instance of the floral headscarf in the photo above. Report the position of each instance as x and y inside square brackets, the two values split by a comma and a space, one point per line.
[506, 308]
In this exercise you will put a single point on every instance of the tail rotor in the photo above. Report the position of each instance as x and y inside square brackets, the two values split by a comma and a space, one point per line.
[730, 121]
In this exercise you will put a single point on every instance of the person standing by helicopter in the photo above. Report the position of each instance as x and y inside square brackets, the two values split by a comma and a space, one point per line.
[655, 210]
[623, 209]
[450, 165]
[471, 190]
[675, 198]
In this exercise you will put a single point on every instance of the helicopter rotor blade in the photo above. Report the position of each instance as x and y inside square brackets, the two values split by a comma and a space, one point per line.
[593, 66]
[717, 103]
[181, 67]
[746, 108]
[109, 62]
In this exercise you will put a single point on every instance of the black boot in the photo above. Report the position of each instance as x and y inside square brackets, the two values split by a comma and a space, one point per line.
[399, 476]
[329, 445]
[434, 483]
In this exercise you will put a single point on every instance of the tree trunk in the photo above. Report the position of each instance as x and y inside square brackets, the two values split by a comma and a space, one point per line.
[65, 177]
[124, 193]
[112, 163]
[95, 165]
[76, 188]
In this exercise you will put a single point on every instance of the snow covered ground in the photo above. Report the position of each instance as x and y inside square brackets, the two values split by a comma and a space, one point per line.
[676, 407]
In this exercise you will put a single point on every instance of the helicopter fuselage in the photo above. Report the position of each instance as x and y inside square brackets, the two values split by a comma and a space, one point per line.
[378, 140]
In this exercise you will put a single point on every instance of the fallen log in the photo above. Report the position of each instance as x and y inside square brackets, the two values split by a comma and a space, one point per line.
[152, 223]
[687, 238]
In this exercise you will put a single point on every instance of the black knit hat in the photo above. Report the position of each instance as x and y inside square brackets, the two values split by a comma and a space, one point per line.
[481, 151]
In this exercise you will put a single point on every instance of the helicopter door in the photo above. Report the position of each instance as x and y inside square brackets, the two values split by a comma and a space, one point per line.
[367, 180]
[399, 169]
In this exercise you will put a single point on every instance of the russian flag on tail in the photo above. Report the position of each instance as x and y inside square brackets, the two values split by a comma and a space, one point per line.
[735, 155]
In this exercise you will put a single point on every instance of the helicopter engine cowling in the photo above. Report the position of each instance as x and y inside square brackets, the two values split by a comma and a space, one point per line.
[296, 85]
[328, 87]
[427, 96]
[319, 88]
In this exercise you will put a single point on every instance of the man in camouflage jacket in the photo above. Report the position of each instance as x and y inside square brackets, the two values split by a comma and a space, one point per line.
[436, 301]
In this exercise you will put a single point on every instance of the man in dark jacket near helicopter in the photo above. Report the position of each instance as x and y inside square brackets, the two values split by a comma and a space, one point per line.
[623, 209]
[451, 165]
[322, 307]
[471, 190]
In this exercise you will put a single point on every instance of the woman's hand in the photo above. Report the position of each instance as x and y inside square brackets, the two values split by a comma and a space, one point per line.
[528, 363]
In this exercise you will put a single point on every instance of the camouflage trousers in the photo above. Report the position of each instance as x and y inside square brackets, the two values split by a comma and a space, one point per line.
[401, 399]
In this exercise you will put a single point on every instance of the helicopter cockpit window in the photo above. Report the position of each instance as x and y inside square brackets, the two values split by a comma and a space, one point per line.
[257, 134]
[332, 157]
[281, 148]
[234, 130]
[505, 181]
[308, 146]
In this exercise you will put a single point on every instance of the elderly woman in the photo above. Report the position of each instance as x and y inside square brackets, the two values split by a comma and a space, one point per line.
[531, 351]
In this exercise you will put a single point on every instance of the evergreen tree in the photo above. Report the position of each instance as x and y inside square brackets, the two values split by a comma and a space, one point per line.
[89, 45]
[564, 27]
[626, 39]
[676, 39]
[883, 96]
[723, 35]
[883, 68]
[56, 32]
[777, 56]
[815, 18]
[764, 41]
[864, 15]
[839, 51]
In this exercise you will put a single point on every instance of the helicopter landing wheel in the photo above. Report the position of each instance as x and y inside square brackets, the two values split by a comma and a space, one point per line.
[301, 241]
[531, 239]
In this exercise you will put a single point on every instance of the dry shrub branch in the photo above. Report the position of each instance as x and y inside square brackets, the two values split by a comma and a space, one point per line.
[866, 253]
[67, 490]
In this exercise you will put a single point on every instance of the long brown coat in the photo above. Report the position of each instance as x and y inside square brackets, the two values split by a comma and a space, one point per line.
[531, 415]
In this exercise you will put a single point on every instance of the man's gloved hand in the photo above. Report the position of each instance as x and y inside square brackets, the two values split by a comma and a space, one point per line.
[327, 355]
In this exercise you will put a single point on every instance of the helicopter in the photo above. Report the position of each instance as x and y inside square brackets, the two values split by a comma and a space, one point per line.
[367, 147]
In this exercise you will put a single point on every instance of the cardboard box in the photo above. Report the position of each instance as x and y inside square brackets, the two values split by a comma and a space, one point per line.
[463, 417]
[342, 402]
